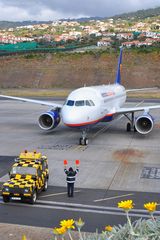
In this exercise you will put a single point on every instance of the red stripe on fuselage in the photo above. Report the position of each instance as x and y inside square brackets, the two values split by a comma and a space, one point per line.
[88, 123]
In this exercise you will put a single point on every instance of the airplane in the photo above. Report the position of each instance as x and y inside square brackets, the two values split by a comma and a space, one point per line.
[87, 106]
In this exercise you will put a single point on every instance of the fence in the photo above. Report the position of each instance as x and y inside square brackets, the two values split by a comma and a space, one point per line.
[31, 47]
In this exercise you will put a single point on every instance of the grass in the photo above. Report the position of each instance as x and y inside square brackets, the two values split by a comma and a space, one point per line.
[148, 94]
[57, 92]
[27, 92]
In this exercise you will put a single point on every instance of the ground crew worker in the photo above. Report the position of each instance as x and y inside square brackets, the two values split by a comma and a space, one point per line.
[70, 179]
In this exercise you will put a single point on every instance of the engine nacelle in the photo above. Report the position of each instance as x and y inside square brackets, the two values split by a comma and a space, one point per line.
[49, 120]
[144, 123]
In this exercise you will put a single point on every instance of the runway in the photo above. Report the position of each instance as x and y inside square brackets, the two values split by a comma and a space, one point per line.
[115, 163]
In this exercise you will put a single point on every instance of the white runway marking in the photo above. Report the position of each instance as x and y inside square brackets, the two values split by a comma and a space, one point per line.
[105, 199]
[56, 194]
[83, 208]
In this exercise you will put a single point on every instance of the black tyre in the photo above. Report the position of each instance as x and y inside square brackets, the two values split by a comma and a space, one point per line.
[86, 141]
[45, 185]
[128, 127]
[33, 198]
[82, 141]
[135, 130]
[6, 199]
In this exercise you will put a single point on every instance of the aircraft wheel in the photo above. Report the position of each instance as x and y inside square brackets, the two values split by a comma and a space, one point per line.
[83, 141]
[80, 141]
[128, 127]
[86, 141]
[135, 130]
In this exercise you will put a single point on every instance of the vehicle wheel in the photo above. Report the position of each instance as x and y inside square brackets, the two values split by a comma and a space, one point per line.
[33, 198]
[6, 199]
[128, 127]
[86, 141]
[45, 185]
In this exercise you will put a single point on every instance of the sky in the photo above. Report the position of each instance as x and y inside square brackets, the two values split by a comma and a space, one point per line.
[22, 10]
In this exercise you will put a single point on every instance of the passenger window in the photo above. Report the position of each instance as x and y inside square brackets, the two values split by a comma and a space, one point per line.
[70, 103]
[79, 103]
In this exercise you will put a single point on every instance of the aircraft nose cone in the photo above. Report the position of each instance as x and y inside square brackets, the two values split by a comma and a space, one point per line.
[73, 117]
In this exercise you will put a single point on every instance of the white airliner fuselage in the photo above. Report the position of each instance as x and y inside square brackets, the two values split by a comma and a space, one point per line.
[87, 106]
[90, 105]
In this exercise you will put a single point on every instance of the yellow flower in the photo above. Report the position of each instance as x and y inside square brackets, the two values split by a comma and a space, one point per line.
[108, 228]
[55, 231]
[24, 237]
[151, 206]
[68, 224]
[126, 205]
[59, 231]
[79, 223]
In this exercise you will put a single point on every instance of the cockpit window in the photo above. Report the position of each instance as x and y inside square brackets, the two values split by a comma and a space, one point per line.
[70, 103]
[92, 103]
[79, 103]
[88, 103]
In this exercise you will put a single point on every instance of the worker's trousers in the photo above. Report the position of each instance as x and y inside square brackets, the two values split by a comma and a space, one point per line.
[70, 188]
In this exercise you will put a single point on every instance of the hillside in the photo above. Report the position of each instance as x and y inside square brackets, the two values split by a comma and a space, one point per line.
[140, 14]
[75, 70]
[8, 24]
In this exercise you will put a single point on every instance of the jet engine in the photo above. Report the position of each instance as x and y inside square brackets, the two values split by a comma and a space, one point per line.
[49, 120]
[144, 123]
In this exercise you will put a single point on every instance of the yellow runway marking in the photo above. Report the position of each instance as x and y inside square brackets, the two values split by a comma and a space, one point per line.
[120, 196]
[56, 194]
[80, 147]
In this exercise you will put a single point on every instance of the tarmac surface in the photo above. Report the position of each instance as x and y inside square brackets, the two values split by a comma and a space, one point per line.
[115, 166]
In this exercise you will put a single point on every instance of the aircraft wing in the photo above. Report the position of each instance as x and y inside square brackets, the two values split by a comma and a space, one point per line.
[136, 109]
[141, 89]
[46, 103]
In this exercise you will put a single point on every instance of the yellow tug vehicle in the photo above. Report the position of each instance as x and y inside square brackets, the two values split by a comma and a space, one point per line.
[28, 176]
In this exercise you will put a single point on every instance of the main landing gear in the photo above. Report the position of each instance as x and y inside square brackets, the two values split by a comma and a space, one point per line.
[83, 139]
[130, 125]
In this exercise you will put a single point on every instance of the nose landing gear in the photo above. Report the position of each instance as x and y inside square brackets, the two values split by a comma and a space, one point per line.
[130, 125]
[83, 139]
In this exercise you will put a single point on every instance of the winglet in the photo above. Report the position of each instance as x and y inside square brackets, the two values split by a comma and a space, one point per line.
[118, 75]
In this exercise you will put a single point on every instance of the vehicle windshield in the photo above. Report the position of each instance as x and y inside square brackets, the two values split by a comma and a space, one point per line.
[24, 170]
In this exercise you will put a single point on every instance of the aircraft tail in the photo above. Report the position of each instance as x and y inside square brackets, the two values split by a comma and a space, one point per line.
[118, 75]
